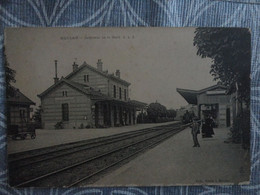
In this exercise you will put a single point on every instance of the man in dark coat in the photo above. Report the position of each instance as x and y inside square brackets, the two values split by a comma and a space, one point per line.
[209, 127]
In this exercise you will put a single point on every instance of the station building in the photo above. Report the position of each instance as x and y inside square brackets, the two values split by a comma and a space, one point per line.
[213, 101]
[18, 109]
[88, 97]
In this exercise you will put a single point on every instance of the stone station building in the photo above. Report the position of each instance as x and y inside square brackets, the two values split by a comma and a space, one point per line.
[88, 97]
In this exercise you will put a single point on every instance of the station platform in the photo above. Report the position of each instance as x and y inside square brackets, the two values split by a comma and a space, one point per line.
[46, 138]
[176, 162]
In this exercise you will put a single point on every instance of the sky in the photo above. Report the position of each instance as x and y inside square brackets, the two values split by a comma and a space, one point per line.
[155, 61]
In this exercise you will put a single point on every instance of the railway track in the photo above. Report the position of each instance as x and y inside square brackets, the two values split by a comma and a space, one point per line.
[14, 158]
[75, 165]
[30, 157]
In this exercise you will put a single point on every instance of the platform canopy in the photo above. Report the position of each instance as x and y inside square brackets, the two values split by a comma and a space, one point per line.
[191, 95]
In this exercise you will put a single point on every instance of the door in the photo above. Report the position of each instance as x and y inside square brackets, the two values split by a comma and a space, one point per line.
[228, 117]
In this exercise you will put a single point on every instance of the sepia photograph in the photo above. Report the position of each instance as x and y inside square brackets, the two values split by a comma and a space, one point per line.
[127, 106]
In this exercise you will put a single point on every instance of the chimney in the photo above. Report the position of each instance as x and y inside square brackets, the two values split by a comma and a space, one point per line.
[74, 66]
[56, 79]
[99, 65]
[118, 73]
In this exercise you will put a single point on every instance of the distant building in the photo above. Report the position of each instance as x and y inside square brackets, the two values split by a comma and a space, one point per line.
[88, 97]
[213, 101]
[18, 110]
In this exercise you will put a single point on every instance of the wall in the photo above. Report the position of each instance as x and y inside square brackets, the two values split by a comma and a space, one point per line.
[79, 108]
[96, 80]
[100, 82]
[118, 85]
[223, 102]
[14, 116]
[213, 99]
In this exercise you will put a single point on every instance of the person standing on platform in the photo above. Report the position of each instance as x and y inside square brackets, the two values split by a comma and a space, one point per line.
[195, 131]
[209, 127]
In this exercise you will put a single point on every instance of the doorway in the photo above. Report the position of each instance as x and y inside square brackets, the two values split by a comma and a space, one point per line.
[228, 117]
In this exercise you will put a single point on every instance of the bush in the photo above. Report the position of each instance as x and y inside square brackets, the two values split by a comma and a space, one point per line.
[59, 125]
[81, 126]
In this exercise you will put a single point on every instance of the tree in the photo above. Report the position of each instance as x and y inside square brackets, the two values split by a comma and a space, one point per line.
[9, 78]
[230, 51]
[171, 113]
[155, 111]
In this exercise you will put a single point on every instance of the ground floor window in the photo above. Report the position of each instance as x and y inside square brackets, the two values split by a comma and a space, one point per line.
[65, 112]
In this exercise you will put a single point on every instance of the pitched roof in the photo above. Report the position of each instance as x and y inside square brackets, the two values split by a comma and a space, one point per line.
[94, 95]
[85, 89]
[191, 95]
[19, 98]
[105, 74]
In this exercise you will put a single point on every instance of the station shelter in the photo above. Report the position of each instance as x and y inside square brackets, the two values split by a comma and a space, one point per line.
[212, 101]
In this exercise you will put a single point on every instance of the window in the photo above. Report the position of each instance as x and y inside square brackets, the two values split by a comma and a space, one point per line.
[114, 91]
[64, 93]
[22, 113]
[125, 93]
[65, 112]
[86, 78]
[120, 94]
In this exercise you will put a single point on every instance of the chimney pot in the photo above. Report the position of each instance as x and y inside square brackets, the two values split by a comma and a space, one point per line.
[118, 73]
[75, 66]
[99, 65]
[56, 79]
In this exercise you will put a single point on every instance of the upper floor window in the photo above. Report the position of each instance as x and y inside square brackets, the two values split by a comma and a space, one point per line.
[114, 91]
[120, 93]
[64, 93]
[125, 93]
[86, 78]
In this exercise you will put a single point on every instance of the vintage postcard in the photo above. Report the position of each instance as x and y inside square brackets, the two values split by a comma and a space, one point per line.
[127, 106]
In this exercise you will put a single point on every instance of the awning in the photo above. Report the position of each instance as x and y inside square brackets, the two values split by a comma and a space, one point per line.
[189, 95]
